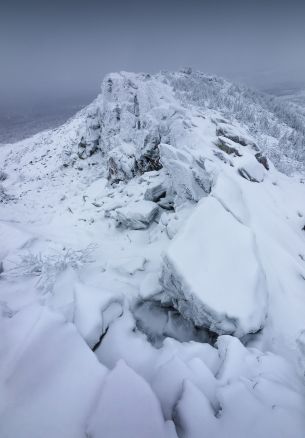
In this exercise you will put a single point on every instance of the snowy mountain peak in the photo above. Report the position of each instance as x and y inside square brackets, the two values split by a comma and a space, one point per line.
[155, 231]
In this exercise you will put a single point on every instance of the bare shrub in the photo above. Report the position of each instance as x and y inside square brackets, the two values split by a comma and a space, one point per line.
[47, 267]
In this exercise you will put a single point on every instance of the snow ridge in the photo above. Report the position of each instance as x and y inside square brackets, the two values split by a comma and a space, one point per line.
[152, 267]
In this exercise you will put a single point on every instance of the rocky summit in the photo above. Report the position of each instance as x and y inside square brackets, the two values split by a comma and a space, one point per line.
[152, 266]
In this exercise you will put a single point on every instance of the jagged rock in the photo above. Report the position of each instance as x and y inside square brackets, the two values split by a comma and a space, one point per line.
[190, 178]
[149, 160]
[137, 215]
[85, 150]
[223, 158]
[121, 166]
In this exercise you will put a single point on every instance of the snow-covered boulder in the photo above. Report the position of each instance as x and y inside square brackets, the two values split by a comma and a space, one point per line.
[235, 134]
[261, 158]
[212, 274]
[228, 146]
[190, 177]
[251, 169]
[137, 215]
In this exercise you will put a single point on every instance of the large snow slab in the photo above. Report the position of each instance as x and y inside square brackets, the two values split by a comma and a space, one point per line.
[212, 274]
[127, 408]
[49, 378]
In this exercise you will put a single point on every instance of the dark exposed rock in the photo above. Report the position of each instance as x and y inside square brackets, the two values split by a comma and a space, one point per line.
[262, 159]
[117, 113]
[109, 85]
[247, 176]
[150, 158]
[117, 172]
[222, 157]
[86, 149]
[3, 175]
[228, 132]
[136, 108]
[226, 147]
[149, 161]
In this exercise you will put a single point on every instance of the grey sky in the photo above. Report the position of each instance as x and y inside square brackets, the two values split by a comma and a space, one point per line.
[63, 48]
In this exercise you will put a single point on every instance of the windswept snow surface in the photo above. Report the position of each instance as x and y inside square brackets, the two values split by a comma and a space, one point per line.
[152, 270]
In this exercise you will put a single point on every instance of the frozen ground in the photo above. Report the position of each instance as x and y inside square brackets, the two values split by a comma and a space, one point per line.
[152, 274]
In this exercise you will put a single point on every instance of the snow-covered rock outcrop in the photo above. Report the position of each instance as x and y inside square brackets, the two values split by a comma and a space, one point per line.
[152, 267]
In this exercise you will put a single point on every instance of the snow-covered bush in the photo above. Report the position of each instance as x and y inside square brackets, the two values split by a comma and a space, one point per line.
[47, 267]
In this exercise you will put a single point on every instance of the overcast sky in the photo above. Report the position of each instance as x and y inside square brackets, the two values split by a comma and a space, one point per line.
[63, 48]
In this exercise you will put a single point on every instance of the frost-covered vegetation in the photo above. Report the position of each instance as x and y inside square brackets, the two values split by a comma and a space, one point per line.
[265, 115]
[48, 267]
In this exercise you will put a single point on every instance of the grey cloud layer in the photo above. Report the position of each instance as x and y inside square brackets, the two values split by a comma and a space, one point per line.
[63, 48]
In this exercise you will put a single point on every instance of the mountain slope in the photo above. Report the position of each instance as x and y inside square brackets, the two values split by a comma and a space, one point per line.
[152, 243]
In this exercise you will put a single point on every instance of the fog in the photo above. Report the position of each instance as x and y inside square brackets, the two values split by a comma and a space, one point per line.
[60, 50]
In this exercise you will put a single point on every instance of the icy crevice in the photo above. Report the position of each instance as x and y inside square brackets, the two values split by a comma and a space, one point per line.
[159, 321]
